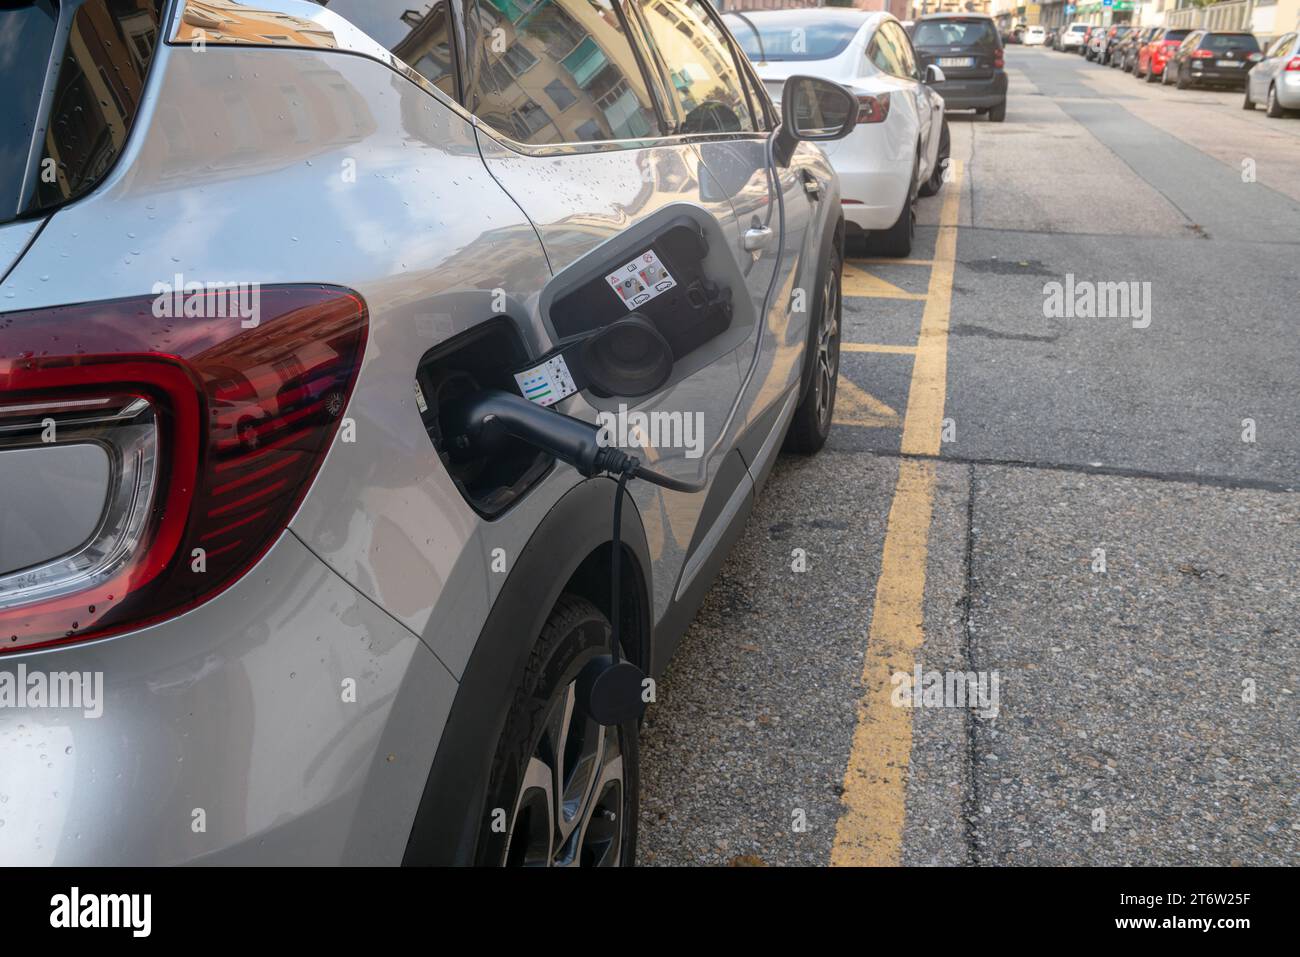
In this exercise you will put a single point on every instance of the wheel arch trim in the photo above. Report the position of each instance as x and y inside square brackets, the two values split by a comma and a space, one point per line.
[447, 822]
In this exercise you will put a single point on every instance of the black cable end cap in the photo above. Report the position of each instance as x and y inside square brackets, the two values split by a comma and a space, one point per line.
[609, 692]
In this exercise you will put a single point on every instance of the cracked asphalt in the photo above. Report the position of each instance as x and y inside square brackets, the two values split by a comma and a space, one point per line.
[1114, 529]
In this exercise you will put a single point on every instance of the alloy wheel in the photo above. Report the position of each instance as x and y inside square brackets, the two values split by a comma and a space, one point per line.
[828, 349]
[570, 809]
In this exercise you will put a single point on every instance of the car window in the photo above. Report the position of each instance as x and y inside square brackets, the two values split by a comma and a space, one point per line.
[418, 32]
[780, 39]
[702, 69]
[953, 32]
[556, 71]
[1221, 42]
[904, 46]
[1283, 46]
[96, 95]
[883, 52]
[29, 38]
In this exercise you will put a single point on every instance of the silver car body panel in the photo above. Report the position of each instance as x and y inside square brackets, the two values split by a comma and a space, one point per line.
[226, 735]
[1271, 71]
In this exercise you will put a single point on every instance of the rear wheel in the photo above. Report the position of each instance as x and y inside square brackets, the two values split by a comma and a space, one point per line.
[1246, 102]
[998, 113]
[1183, 80]
[812, 420]
[896, 241]
[563, 789]
[935, 183]
[1274, 107]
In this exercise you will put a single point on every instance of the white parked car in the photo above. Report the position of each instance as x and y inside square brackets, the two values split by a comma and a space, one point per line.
[1035, 36]
[899, 148]
[1071, 38]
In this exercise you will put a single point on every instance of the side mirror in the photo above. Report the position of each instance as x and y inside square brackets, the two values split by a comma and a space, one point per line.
[934, 75]
[813, 110]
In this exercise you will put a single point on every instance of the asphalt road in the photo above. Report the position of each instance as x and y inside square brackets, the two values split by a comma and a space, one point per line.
[1110, 526]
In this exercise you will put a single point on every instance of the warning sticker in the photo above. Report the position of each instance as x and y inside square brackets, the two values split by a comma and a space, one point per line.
[547, 383]
[640, 280]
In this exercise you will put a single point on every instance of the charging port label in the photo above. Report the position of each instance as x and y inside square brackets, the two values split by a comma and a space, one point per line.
[547, 383]
[640, 280]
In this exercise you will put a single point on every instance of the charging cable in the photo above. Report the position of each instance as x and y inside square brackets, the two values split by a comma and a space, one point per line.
[608, 687]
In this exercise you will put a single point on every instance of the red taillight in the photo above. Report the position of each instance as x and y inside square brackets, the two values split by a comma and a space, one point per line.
[873, 109]
[213, 433]
[997, 58]
[1202, 55]
[1293, 63]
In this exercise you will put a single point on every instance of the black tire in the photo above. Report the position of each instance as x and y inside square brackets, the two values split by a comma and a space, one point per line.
[1183, 81]
[998, 113]
[1274, 108]
[932, 185]
[542, 723]
[896, 241]
[1246, 102]
[811, 423]
[1165, 74]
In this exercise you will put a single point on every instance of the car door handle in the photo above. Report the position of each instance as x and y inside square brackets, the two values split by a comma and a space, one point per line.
[758, 238]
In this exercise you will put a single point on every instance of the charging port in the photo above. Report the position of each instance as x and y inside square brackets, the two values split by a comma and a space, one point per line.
[482, 358]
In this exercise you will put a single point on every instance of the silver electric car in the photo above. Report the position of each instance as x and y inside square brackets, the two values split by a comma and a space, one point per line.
[382, 384]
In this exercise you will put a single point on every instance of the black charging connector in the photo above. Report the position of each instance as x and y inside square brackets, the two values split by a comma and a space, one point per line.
[477, 424]
[609, 689]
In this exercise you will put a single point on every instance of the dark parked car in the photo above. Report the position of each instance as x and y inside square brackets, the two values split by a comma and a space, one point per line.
[1110, 41]
[1091, 41]
[1208, 58]
[1126, 52]
[967, 48]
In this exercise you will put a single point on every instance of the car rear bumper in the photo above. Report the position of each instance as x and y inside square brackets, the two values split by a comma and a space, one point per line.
[288, 721]
[872, 200]
[1226, 77]
[1288, 90]
[973, 94]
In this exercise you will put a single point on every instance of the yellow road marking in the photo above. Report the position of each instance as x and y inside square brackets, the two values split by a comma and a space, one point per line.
[877, 347]
[870, 829]
[855, 406]
[923, 424]
[858, 282]
[891, 262]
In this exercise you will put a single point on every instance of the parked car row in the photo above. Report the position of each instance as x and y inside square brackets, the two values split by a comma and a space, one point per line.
[258, 505]
[389, 467]
[1231, 59]
[903, 85]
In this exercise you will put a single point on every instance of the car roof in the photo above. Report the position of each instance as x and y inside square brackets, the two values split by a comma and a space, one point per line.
[846, 16]
[957, 15]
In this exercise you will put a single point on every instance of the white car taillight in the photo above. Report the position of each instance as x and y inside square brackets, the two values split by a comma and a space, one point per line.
[125, 429]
